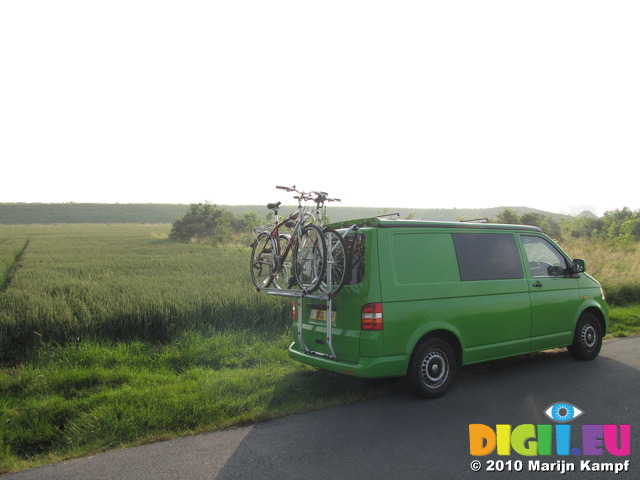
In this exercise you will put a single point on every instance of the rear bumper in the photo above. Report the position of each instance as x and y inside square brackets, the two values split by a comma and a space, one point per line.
[393, 366]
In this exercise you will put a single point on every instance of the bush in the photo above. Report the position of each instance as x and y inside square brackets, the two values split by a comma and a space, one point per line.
[203, 222]
[622, 294]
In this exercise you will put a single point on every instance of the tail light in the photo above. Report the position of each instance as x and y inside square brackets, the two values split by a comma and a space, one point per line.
[371, 316]
[294, 314]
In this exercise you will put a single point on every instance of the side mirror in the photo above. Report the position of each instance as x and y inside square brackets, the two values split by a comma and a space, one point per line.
[578, 265]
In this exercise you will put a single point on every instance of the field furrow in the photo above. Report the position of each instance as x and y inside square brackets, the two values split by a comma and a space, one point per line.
[10, 263]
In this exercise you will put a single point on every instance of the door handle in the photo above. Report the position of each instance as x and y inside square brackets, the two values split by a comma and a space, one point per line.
[537, 285]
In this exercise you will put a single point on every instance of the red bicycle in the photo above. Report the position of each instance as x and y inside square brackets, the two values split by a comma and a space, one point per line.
[276, 254]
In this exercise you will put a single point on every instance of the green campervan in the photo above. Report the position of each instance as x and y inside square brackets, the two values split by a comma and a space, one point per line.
[423, 298]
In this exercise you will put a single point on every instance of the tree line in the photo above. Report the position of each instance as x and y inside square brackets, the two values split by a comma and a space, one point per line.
[48, 213]
[205, 222]
[621, 225]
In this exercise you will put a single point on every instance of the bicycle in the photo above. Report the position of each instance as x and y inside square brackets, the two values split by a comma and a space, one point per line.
[271, 249]
[337, 253]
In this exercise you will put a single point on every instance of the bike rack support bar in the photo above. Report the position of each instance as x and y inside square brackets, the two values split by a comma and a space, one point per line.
[299, 294]
[300, 337]
[330, 326]
[293, 293]
[329, 312]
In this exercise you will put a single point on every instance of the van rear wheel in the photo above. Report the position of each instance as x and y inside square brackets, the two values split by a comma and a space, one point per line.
[432, 368]
[587, 340]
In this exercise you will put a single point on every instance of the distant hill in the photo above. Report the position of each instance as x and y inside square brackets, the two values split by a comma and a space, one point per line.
[587, 214]
[33, 213]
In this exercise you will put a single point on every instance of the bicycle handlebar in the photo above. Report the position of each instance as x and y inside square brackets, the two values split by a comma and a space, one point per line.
[302, 195]
[321, 197]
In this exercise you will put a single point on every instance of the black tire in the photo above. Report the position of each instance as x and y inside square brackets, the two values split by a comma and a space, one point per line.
[337, 261]
[282, 275]
[432, 368]
[309, 259]
[263, 257]
[587, 340]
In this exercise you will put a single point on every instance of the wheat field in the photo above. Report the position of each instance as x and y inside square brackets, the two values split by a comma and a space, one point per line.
[122, 282]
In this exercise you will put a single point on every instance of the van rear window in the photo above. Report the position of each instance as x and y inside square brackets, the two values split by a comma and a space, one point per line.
[355, 246]
[487, 256]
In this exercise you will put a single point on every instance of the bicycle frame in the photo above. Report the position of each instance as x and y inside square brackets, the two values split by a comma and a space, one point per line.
[274, 253]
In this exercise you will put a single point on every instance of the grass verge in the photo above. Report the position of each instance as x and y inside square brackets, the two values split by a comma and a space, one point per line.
[624, 321]
[81, 399]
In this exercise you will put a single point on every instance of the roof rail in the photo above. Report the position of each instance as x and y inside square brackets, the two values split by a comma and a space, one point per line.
[476, 220]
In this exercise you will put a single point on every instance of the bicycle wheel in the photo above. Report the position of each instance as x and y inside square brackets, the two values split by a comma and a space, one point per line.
[263, 260]
[309, 258]
[282, 277]
[336, 262]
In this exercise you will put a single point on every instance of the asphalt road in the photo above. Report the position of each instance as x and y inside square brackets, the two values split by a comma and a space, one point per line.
[402, 437]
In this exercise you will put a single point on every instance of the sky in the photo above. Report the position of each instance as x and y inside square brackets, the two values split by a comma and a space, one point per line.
[412, 104]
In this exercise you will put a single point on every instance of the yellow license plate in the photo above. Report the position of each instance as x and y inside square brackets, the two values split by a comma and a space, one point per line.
[321, 315]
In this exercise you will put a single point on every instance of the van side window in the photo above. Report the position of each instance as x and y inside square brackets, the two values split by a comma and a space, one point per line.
[544, 259]
[487, 256]
[421, 258]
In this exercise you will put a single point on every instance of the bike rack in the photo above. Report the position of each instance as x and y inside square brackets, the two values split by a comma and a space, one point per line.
[299, 295]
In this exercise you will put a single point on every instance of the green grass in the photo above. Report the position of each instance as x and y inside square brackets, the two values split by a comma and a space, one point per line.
[624, 321]
[112, 335]
[91, 396]
[616, 266]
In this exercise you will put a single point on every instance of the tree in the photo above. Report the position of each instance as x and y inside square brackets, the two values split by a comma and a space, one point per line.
[203, 221]
[532, 218]
[621, 223]
[584, 226]
[250, 220]
[508, 216]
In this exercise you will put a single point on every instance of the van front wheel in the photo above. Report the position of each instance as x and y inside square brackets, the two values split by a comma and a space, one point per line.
[587, 339]
[432, 368]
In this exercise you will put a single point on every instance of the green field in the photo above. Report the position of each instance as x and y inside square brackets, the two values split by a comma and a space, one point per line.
[122, 282]
[113, 335]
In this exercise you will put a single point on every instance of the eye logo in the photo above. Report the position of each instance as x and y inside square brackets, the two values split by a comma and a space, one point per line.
[563, 412]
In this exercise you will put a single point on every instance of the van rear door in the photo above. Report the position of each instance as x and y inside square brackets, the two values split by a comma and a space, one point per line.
[331, 326]
[327, 328]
